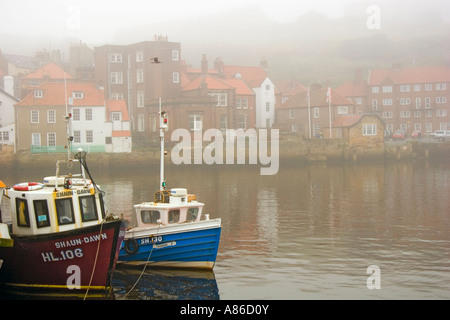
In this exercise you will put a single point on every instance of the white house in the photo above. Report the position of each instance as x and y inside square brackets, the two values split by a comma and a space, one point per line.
[7, 101]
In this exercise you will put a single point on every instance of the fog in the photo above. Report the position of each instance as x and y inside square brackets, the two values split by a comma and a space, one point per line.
[294, 36]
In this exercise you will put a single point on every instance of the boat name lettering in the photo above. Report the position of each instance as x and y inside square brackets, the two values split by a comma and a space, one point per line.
[163, 245]
[63, 194]
[84, 191]
[62, 255]
[79, 241]
[153, 239]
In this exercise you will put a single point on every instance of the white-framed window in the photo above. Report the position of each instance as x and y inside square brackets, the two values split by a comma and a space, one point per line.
[418, 103]
[139, 76]
[242, 122]
[36, 139]
[175, 55]
[343, 110]
[417, 126]
[176, 77]
[428, 127]
[369, 129]
[51, 139]
[316, 112]
[221, 99]
[405, 114]
[195, 122]
[417, 114]
[405, 101]
[441, 113]
[427, 103]
[417, 87]
[140, 124]
[441, 99]
[375, 89]
[115, 57]
[223, 122]
[89, 136]
[38, 93]
[140, 99]
[51, 116]
[387, 102]
[117, 95]
[294, 128]
[116, 78]
[76, 114]
[405, 88]
[441, 86]
[34, 116]
[428, 87]
[267, 122]
[387, 89]
[76, 136]
[139, 56]
[116, 116]
[375, 104]
[268, 106]
[387, 115]
[358, 100]
[78, 94]
[88, 114]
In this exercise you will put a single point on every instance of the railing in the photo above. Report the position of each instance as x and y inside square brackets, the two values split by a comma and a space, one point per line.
[61, 149]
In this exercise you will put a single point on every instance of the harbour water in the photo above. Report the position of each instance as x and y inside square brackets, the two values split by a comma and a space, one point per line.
[312, 231]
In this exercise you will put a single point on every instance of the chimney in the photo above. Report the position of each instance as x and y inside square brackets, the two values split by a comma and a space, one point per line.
[204, 67]
[263, 63]
[9, 85]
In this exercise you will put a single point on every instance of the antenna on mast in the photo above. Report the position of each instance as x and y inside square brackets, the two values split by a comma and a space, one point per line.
[162, 127]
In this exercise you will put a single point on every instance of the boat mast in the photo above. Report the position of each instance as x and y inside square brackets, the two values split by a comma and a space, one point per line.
[162, 127]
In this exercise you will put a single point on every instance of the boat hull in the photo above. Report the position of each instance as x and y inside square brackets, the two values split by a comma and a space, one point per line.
[189, 245]
[72, 261]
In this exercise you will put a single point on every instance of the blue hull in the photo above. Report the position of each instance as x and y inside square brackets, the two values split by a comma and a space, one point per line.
[182, 249]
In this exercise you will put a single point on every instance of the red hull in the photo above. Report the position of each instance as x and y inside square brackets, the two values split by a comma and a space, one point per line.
[69, 261]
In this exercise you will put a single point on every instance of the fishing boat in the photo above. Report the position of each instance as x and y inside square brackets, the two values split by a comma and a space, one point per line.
[59, 237]
[171, 230]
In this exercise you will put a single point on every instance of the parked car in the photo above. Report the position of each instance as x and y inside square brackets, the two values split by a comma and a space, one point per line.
[441, 135]
[416, 134]
[398, 135]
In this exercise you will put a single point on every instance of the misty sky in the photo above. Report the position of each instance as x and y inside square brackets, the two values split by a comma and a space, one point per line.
[99, 20]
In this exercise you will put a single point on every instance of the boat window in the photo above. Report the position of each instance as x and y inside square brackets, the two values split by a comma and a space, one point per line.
[174, 216]
[41, 213]
[150, 216]
[64, 211]
[23, 218]
[102, 204]
[88, 208]
[192, 214]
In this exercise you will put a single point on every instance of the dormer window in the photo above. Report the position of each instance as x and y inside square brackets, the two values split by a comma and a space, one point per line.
[116, 116]
[78, 95]
[38, 93]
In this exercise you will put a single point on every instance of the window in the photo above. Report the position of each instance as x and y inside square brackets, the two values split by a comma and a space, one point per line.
[417, 114]
[387, 89]
[387, 102]
[441, 113]
[441, 99]
[78, 94]
[242, 121]
[76, 114]
[405, 101]
[291, 113]
[221, 99]
[441, 86]
[175, 55]
[223, 122]
[174, 216]
[38, 94]
[267, 106]
[23, 218]
[369, 129]
[176, 77]
[342, 110]
[117, 96]
[88, 114]
[195, 122]
[244, 103]
[428, 87]
[51, 116]
[89, 136]
[34, 116]
[150, 216]
[358, 100]
[417, 127]
[64, 211]
[116, 78]
[139, 76]
[387, 115]
[36, 139]
[418, 103]
[238, 103]
[4, 135]
[192, 214]
[294, 128]
[139, 56]
[115, 57]
[76, 136]
[405, 88]
[375, 89]
[316, 112]
[41, 213]
[140, 124]
[427, 103]
[140, 99]
[51, 139]
[88, 208]
[116, 116]
[405, 114]
[417, 87]
[374, 104]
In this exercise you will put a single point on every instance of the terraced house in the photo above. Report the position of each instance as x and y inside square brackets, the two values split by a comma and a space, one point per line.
[97, 125]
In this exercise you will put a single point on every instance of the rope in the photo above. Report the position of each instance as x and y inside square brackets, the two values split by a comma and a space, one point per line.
[145, 267]
[95, 261]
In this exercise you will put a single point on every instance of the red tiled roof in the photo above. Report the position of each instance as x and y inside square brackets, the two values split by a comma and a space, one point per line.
[50, 70]
[318, 97]
[210, 82]
[117, 106]
[241, 87]
[411, 75]
[53, 94]
[253, 75]
[289, 87]
[352, 89]
[346, 121]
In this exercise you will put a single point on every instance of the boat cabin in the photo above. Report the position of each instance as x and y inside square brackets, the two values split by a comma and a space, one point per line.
[58, 204]
[170, 207]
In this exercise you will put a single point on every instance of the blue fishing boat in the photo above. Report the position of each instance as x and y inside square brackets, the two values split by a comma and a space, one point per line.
[171, 230]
